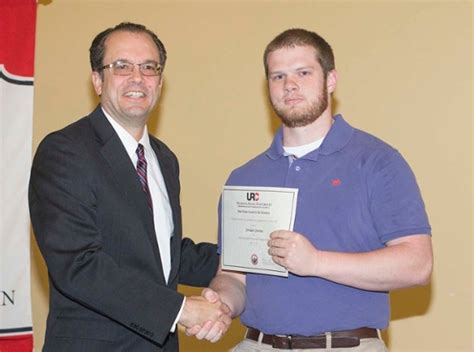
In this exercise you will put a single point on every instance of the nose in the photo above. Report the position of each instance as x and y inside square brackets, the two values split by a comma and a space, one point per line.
[290, 85]
[136, 75]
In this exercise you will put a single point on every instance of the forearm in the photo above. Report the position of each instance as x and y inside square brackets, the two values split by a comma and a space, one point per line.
[401, 264]
[198, 264]
[231, 290]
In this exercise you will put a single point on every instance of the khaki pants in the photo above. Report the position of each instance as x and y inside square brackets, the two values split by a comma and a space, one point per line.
[366, 345]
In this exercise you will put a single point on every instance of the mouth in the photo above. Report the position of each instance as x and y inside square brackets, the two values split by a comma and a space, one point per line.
[293, 100]
[135, 94]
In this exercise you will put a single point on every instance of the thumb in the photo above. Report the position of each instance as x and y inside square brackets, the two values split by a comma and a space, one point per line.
[210, 295]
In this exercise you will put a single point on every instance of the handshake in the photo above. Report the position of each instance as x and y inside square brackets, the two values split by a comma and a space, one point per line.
[206, 316]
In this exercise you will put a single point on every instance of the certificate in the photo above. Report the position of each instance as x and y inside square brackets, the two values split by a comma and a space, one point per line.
[249, 215]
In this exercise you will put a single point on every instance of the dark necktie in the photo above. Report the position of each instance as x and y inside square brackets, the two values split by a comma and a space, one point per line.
[141, 172]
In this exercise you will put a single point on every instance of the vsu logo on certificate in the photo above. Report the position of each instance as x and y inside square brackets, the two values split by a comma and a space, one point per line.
[255, 196]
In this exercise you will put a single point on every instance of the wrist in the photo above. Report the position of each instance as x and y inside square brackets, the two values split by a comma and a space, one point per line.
[185, 314]
[319, 263]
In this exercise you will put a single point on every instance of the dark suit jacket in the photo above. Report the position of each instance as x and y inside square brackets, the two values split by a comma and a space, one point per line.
[96, 233]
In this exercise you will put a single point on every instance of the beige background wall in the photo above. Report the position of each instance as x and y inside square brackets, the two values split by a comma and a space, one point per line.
[405, 73]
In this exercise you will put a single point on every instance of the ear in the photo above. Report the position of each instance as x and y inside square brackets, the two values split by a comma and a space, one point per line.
[160, 84]
[97, 82]
[331, 81]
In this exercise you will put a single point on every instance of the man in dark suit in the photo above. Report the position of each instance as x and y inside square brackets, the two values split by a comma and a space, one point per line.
[104, 203]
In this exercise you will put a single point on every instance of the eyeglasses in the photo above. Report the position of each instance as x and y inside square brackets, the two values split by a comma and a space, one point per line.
[125, 68]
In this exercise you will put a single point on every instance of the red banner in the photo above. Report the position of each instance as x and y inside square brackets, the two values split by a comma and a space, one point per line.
[17, 44]
[17, 36]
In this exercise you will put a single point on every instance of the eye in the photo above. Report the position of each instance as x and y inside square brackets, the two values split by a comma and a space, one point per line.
[149, 67]
[304, 73]
[122, 66]
[276, 77]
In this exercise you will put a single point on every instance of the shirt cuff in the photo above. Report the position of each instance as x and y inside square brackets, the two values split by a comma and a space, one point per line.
[173, 327]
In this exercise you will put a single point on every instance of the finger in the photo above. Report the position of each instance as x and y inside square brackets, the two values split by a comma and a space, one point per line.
[280, 261]
[280, 234]
[214, 340]
[217, 337]
[215, 331]
[192, 330]
[225, 309]
[204, 330]
[278, 243]
[275, 234]
[277, 252]
[226, 320]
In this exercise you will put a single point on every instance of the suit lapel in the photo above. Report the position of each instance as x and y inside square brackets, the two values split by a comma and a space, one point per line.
[125, 177]
[170, 175]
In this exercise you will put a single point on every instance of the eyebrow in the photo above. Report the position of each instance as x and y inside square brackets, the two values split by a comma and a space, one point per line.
[144, 62]
[293, 70]
[305, 68]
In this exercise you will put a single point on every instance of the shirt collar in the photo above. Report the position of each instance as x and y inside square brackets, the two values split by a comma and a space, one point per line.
[126, 138]
[337, 137]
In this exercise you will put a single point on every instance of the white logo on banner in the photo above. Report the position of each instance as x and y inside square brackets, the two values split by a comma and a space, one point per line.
[16, 111]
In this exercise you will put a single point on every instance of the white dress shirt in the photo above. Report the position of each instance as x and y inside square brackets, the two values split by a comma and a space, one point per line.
[162, 214]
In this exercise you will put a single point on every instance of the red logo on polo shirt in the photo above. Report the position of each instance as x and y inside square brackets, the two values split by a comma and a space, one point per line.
[336, 182]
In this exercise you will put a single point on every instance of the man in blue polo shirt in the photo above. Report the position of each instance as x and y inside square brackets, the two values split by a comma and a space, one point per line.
[360, 228]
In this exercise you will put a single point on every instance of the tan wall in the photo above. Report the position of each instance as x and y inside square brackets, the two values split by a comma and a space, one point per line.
[405, 73]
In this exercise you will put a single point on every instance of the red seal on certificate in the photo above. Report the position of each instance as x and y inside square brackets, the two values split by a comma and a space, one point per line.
[254, 259]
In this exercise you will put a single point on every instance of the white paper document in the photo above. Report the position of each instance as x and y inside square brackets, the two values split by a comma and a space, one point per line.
[249, 215]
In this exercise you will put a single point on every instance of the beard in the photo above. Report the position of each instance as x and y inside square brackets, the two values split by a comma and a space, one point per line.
[305, 116]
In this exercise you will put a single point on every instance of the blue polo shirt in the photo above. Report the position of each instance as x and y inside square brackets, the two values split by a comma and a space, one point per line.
[355, 194]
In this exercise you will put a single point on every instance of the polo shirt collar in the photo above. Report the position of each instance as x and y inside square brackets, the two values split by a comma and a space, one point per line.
[336, 139]
[338, 136]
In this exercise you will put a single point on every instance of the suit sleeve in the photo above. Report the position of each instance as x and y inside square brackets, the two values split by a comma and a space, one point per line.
[199, 263]
[63, 208]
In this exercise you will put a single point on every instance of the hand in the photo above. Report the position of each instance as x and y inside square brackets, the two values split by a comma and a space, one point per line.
[198, 310]
[293, 251]
[212, 330]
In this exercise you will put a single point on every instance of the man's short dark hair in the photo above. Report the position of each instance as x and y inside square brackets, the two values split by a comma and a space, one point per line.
[302, 37]
[97, 49]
